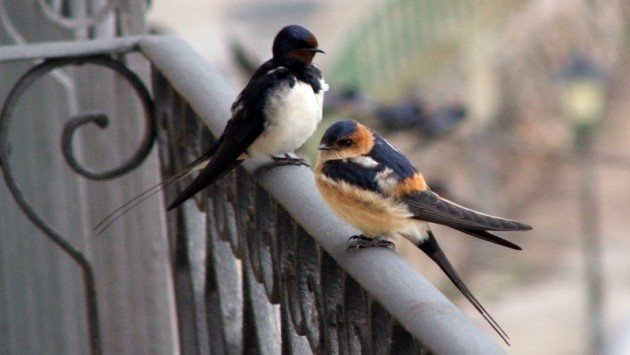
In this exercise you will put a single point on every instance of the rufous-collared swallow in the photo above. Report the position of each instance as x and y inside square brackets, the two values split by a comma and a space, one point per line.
[371, 185]
[277, 111]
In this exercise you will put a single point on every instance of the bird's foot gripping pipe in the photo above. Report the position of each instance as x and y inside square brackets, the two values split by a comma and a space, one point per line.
[360, 241]
[286, 159]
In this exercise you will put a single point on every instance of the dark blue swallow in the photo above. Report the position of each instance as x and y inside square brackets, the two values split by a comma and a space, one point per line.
[277, 111]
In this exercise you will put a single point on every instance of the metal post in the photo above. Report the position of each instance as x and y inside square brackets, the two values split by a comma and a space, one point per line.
[589, 215]
[583, 92]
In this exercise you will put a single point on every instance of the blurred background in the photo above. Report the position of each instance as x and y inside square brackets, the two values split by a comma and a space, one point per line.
[518, 108]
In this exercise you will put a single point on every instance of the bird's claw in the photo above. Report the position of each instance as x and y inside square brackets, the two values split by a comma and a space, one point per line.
[286, 159]
[360, 241]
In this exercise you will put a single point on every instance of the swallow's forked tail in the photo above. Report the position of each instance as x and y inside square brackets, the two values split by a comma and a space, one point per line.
[222, 158]
[129, 205]
[433, 250]
[206, 178]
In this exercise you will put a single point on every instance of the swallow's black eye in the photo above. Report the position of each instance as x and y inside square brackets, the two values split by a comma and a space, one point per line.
[346, 142]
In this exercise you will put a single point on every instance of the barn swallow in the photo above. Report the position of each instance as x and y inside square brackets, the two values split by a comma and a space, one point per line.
[371, 185]
[277, 111]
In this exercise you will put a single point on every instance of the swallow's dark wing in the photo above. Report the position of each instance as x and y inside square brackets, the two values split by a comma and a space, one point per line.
[246, 125]
[433, 250]
[489, 237]
[353, 173]
[428, 206]
[247, 93]
[388, 156]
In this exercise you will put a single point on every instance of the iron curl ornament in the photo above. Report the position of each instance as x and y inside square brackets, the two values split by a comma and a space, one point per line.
[69, 130]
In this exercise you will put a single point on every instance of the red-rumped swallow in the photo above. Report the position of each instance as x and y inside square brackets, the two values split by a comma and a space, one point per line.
[371, 185]
[277, 111]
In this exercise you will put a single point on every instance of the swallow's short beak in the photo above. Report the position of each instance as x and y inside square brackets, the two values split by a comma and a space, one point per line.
[324, 146]
[317, 50]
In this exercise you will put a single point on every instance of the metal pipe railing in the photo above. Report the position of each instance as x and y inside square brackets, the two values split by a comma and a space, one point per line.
[413, 301]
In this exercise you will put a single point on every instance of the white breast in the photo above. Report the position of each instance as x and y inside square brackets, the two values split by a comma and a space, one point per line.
[293, 114]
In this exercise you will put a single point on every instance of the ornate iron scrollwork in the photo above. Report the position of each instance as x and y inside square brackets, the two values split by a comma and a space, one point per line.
[70, 128]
